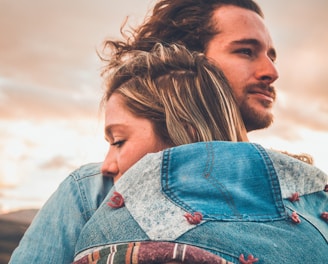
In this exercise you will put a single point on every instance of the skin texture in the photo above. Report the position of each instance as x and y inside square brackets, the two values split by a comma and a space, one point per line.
[130, 138]
[244, 51]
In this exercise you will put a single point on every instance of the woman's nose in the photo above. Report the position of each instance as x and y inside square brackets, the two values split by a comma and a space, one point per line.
[109, 167]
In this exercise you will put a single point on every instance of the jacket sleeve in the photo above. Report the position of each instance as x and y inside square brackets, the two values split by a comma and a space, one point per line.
[53, 233]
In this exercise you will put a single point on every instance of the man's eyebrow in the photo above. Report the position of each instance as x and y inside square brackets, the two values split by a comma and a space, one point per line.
[254, 42]
[249, 41]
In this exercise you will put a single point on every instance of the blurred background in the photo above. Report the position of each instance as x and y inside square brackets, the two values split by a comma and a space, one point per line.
[50, 87]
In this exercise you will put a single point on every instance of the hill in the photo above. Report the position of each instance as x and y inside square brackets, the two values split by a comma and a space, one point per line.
[12, 227]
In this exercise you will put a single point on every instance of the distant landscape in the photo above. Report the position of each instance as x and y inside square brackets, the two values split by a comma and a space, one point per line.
[12, 227]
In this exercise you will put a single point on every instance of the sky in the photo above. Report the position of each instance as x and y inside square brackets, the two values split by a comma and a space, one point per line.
[50, 87]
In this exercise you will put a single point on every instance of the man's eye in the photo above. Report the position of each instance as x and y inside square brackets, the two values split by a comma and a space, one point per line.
[118, 143]
[245, 51]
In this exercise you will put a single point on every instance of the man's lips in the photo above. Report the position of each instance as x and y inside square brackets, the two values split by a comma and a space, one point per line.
[266, 94]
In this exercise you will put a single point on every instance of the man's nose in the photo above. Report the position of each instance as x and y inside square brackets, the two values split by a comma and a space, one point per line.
[109, 167]
[267, 71]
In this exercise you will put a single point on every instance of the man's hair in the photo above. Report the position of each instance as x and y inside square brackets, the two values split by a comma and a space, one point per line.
[186, 97]
[186, 22]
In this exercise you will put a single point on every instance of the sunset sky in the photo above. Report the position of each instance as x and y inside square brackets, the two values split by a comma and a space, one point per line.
[50, 87]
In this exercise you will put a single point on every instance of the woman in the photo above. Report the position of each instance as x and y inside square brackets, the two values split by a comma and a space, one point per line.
[183, 97]
[188, 202]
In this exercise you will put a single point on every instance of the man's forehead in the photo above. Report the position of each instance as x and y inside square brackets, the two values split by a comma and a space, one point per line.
[235, 24]
[233, 18]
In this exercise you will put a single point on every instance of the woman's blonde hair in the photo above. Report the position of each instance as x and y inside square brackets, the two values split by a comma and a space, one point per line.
[185, 96]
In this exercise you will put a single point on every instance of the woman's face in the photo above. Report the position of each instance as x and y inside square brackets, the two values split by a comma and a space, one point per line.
[130, 138]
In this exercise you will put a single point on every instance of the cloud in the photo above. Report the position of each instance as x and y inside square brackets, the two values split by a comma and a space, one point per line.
[32, 102]
[301, 42]
[48, 56]
[56, 163]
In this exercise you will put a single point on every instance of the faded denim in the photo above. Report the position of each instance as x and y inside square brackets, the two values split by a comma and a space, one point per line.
[241, 189]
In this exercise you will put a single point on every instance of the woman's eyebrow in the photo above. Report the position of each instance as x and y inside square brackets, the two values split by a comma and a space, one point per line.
[108, 132]
[109, 129]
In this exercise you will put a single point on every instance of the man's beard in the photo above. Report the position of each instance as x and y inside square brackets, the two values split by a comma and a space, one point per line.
[252, 118]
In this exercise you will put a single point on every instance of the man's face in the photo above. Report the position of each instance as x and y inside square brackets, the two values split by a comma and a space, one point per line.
[243, 50]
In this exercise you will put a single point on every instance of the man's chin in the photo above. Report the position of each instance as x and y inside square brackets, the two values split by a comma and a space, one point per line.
[256, 119]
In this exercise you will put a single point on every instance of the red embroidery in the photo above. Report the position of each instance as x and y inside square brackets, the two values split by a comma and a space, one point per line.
[250, 259]
[295, 218]
[295, 197]
[117, 200]
[194, 219]
[324, 216]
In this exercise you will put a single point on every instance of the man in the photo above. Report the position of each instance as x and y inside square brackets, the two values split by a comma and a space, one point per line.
[230, 32]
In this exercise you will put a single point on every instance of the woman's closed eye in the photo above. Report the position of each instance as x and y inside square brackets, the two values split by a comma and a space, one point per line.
[118, 143]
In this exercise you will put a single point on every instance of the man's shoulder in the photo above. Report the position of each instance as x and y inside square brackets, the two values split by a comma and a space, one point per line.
[88, 170]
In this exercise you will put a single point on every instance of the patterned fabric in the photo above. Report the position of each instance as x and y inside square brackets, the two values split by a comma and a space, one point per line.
[150, 253]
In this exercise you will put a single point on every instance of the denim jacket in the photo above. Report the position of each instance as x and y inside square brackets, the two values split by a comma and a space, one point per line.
[252, 201]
